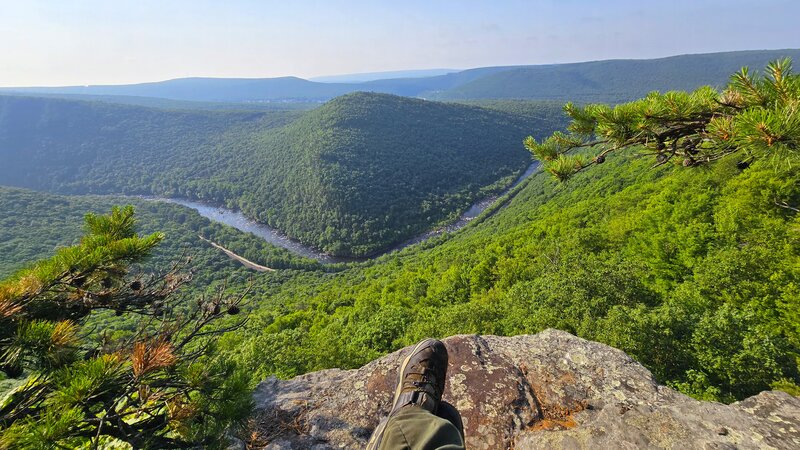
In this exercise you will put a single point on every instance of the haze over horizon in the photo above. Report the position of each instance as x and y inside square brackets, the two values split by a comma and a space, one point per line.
[47, 43]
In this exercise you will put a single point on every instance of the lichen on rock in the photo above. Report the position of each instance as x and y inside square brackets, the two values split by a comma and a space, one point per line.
[548, 390]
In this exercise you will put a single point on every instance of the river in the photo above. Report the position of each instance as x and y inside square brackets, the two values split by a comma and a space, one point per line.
[238, 220]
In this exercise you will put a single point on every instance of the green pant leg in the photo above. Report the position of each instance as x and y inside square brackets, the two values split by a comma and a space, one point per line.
[414, 428]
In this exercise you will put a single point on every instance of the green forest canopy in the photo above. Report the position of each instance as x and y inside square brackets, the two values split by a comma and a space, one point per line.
[694, 271]
[352, 177]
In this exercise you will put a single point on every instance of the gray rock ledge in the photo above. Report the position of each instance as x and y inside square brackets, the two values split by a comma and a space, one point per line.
[548, 390]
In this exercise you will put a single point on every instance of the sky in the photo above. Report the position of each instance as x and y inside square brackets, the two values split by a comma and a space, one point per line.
[79, 42]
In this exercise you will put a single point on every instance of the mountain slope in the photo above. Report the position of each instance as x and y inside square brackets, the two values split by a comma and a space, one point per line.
[596, 81]
[365, 171]
[693, 272]
[351, 177]
[614, 80]
[75, 146]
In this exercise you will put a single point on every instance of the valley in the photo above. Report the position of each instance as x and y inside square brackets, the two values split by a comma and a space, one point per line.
[313, 175]
[325, 225]
[237, 220]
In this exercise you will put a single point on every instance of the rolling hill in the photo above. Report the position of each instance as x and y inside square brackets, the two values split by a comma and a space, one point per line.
[82, 147]
[376, 169]
[612, 81]
[693, 271]
[351, 177]
[214, 89]
[594, 81]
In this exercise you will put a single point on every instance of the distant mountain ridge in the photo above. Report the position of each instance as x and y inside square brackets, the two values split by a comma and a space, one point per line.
[613, 80]
[372, 76]
[594, 81]
[213, 89]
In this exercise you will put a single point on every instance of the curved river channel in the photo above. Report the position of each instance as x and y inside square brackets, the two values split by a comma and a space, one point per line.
[237, 220]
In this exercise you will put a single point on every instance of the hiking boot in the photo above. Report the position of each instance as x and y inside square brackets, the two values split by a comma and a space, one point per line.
[420, 383]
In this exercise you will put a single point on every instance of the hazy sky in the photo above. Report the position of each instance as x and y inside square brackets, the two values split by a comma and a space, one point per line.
[64, 42]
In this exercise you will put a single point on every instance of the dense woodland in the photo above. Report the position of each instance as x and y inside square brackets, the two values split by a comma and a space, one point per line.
[352, 177]
[94, 147]
[694, 272]
[691, 268]
[365, 171]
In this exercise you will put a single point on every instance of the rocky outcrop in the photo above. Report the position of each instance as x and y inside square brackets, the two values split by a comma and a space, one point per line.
[549, 390]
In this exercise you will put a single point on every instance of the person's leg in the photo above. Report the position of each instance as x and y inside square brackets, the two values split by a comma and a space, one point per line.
[449, 413]
[415, 428]
[412, 422]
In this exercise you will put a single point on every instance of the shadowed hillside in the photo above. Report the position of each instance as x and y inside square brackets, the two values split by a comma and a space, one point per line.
[612, 81]
[352, 177]
[367, 170]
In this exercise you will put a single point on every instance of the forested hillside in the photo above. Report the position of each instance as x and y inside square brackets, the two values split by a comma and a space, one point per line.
[533, 111]
[354, 176]
[594, 81]
[92, 147]
[612, 81]
[365, 171]
[694, 272]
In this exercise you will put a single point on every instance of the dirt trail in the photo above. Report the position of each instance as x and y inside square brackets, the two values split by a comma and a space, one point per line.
[245, 262]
